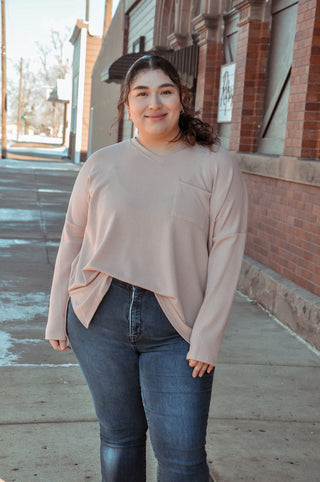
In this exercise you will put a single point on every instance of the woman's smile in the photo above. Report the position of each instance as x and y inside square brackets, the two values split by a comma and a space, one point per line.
[156, 117]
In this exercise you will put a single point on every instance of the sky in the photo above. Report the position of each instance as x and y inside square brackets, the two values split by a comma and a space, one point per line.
[30, 21]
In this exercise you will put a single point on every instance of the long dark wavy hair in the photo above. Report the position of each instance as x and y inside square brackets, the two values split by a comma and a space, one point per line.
[192, 129]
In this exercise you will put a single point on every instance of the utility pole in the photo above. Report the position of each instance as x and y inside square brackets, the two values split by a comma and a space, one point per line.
[19, 100]
[107, 16]
[4, 83]
[87, 10]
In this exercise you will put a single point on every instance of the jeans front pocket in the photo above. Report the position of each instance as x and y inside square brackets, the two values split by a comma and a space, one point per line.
[192, 204]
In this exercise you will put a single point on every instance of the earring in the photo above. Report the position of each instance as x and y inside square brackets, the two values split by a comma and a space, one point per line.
[129, 116]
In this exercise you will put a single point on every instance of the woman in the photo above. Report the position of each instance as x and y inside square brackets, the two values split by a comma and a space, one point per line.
[145, 276]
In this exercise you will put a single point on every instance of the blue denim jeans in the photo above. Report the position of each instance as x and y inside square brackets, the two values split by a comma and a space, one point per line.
[135, 365]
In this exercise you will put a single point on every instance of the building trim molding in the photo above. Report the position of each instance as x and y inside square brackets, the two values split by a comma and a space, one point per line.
[206, 28]
[292, 305]
[249, 10]
[292, 169]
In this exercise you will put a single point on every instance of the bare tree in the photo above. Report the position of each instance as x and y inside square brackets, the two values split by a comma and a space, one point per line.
[58, 42]
[37, 86]
[43, 51]
[3, 82]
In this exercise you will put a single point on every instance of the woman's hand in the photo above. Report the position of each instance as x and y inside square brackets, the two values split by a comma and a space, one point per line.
[60, 345]
[200, 368]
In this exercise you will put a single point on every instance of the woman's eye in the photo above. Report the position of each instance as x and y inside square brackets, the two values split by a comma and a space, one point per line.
[166, 92]
[142, 94]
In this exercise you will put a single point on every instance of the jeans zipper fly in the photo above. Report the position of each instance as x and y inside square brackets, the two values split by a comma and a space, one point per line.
[131, 304]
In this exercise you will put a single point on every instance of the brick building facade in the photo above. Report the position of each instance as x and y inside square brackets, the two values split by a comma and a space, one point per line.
[270, 54]
[86, 49]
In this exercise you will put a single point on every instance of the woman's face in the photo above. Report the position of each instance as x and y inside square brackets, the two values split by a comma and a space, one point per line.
[154, 106]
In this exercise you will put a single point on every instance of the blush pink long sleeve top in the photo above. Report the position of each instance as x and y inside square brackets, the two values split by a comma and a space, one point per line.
[174, 224]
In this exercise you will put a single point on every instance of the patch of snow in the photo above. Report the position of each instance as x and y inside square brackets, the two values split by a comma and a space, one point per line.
[10, 214]
[6, 343]
[17, 307]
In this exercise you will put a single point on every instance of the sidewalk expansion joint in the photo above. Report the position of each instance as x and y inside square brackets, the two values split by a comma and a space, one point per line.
[47, 422]
[271, 365]
[265, 419]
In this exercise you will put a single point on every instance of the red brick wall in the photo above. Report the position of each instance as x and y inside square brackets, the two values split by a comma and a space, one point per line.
[92, 51]
[251, 64]
[210, 59]
[303, 124]
[284, 229]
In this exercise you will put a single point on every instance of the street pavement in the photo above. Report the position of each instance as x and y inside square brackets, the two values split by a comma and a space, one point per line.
[264, 420]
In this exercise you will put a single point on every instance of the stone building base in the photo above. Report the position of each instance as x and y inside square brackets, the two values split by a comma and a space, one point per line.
[292, 305]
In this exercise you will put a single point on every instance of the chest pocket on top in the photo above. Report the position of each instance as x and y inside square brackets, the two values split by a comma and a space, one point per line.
[192, 204]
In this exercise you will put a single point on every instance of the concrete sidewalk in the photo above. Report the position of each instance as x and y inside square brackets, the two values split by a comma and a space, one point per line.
[264, 421]
[37, 148]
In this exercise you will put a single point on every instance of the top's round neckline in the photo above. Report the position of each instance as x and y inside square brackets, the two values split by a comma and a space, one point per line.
[154, 155]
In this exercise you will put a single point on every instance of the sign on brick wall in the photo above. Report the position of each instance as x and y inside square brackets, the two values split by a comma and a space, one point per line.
[226, 92]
